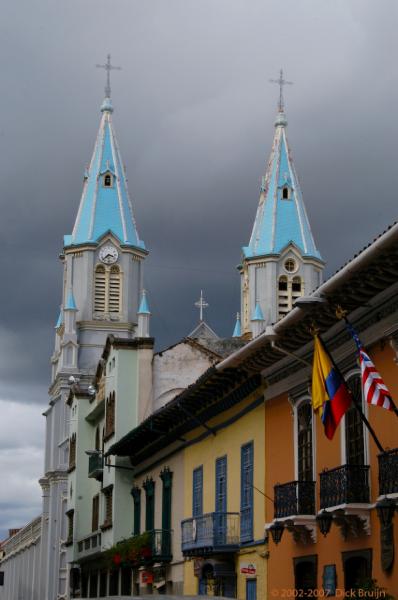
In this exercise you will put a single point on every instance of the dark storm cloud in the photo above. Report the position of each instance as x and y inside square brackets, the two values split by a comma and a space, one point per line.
[194, 118]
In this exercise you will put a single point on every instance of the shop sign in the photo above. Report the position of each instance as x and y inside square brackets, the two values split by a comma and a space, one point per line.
[146, 577]
[247, 568]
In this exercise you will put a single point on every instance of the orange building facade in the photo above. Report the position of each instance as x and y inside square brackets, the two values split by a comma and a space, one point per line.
[350, 555]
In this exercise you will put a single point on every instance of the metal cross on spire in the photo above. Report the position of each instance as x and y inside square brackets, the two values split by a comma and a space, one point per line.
[281, 82]
[201, 304]
[108, 68]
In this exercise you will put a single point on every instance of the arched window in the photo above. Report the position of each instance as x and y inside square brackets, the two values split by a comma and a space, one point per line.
[107, 290]
[285, 193]
[108, 180]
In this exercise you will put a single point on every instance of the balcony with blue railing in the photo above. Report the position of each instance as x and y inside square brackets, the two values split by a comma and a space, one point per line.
[209, 534]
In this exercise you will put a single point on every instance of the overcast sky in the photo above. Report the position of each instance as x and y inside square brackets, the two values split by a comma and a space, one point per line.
[194, 114]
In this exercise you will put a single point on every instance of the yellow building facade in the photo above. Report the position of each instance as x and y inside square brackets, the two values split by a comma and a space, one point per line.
[224, 541]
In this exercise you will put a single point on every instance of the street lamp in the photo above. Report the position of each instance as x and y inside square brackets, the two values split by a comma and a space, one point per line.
[324, 520]
[276, 530]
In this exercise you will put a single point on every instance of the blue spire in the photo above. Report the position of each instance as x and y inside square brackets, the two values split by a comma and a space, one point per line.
[60, 320]
[258, 313]
[237, 331]
[70, 303]
[144, 306]
[281, 217]
[105, 204]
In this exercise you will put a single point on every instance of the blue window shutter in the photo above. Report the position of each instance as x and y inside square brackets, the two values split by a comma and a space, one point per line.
[197, 492]
[246, 493]
[221, 484]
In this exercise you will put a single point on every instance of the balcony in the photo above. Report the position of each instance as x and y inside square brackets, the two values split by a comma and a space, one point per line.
[160, 545]
[143, 550]
[294, 498]
[96, 466]
[348, 484]
[388, 472]
[211, 533]
[89, 546]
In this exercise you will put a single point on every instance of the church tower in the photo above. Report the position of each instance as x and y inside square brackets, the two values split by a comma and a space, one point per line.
[281, 261]
[102, 284]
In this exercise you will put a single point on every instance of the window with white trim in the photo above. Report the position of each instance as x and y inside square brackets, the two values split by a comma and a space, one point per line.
[107, 290]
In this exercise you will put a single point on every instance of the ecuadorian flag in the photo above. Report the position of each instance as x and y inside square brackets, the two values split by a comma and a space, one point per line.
[330, 395]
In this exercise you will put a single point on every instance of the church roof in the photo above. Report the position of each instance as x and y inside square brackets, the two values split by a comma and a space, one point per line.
[280, 221]
[203, 331]
[105, 208]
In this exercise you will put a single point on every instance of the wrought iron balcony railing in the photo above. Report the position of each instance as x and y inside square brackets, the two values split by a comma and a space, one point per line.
[388, 472]
[160, 545]
[210, 533]
[294, 498]
[348, 484]
[95, 466]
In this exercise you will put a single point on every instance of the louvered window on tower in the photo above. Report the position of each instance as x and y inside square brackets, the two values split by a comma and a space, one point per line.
[296, 288]
[100, 289]
[283, 296]
[107, 291]
[114, 290]
[288, 292]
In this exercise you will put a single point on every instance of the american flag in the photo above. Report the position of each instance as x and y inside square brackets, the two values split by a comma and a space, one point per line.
[375, 390]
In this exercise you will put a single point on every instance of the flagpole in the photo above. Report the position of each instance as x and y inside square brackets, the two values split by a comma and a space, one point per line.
[394, 406]
[356, 404]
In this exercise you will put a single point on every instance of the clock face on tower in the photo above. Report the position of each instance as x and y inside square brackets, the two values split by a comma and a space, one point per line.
[108, 254]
